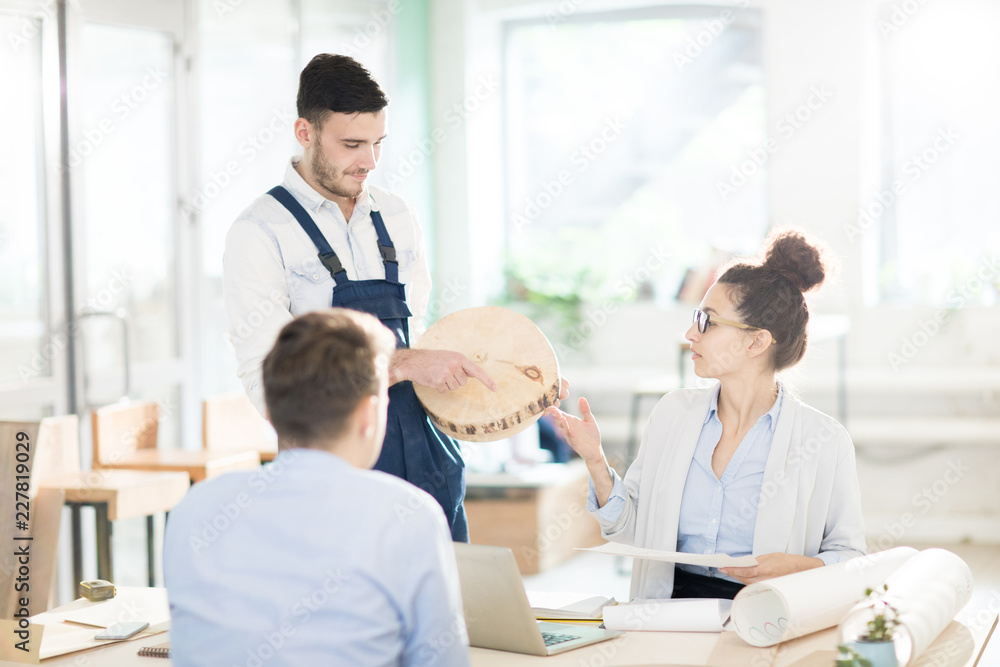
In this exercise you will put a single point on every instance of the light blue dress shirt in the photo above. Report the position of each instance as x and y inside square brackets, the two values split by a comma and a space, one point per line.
[311, 561]
[718, 515]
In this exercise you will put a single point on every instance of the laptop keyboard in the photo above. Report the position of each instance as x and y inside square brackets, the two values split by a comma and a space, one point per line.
[552, 638]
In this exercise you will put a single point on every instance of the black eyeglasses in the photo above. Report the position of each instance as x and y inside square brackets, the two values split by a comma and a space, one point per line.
[703, 319]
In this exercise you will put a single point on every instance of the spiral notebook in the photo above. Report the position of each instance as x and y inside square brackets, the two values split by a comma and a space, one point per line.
[158, 651]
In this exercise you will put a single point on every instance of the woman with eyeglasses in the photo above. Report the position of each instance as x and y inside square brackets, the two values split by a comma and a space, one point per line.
[742, 467]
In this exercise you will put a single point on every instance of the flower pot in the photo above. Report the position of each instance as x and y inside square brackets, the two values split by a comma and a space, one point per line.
[881, 654]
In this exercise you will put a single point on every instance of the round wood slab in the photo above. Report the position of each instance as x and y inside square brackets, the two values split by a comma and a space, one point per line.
[512, 351]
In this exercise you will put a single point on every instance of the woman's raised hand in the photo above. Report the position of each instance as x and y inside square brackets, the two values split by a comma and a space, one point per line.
[583, 435]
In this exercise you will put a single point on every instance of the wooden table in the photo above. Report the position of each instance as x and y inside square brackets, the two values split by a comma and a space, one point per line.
[117, 494]
[958, 646]
[61, 637]
[540, 513]
[198, 464]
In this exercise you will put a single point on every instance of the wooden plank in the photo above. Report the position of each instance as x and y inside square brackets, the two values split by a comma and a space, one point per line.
[198, 465]
[128, 493]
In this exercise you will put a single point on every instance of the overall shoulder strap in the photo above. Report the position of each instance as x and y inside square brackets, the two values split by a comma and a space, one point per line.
[326, 254]
[385, 247]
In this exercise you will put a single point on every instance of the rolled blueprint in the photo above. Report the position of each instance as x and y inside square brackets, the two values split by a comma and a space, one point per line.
[927, 592]
[783, 608]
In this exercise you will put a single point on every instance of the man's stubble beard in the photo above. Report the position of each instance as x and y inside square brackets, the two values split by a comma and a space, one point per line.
[327, 177]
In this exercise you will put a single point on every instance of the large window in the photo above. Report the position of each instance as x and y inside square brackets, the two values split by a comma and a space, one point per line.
[248, 82]
[23, 323]
[939, 214]
[632, 149]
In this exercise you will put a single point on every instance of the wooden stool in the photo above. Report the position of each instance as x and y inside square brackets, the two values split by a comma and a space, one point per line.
[30, 520]
[114, 494]
[125, 436]
[230, 422]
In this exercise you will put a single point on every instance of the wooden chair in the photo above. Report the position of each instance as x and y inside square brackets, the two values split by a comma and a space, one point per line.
[39, 532]
[125, 436]
[231, 422]
[114, 494]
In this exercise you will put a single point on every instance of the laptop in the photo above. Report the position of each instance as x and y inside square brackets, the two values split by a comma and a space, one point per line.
[497, 612]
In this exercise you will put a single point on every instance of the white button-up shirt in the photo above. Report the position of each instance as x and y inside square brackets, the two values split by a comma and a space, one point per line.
[272, 272]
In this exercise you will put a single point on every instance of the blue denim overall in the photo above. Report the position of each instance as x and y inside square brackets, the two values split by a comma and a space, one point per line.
[413, 449]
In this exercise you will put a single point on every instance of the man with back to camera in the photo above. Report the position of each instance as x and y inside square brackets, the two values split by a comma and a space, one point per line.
[319, 561]
[324, 232]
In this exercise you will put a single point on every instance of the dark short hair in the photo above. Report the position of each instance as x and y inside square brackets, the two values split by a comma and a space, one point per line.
[339, 84]
[322, 365]
[769, 295]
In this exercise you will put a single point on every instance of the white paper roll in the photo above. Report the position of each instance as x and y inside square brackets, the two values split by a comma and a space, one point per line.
[783, 608]
[927, 591]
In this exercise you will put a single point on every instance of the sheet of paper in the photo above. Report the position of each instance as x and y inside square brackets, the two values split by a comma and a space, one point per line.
[679, 615]
[139, 604]
[706, 560]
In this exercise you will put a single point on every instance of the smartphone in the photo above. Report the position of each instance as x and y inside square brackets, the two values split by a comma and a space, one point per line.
[122, 630]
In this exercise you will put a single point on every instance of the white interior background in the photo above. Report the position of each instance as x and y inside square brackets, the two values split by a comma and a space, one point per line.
[917, 281]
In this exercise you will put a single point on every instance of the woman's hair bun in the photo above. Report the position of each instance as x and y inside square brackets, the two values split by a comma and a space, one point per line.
[799, 261]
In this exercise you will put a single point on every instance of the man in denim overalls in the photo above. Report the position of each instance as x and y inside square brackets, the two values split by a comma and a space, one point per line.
[324, 238]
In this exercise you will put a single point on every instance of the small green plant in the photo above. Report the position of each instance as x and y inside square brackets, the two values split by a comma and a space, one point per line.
[883, 625]
[880, 629]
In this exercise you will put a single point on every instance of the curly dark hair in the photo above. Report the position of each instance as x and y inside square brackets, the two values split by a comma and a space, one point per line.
[769, 295]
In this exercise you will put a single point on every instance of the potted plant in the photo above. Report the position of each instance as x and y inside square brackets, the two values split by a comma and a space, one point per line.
[875, 647]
